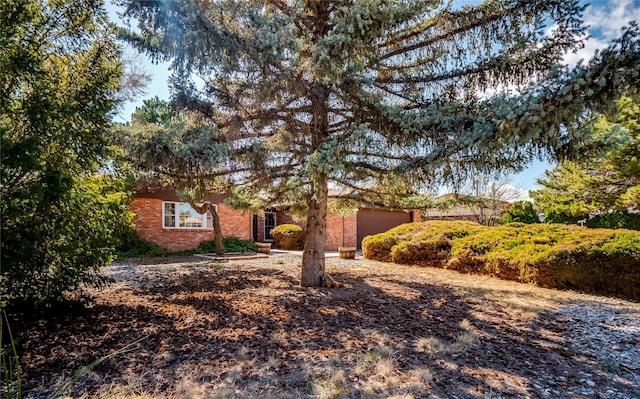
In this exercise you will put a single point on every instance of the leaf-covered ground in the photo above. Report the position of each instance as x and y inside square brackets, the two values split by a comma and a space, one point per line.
[246, 329]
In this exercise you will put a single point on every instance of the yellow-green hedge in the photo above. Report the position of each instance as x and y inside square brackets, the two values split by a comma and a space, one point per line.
[551, 255]
[288, 236]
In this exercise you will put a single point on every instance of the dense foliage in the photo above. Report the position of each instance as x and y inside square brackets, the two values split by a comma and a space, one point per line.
[301, 95]
[551, 255]
[288, 236]
[606, 179]
[520, 211]
[131, 245]
[615, 220]
[136, 247]
[59, 76]
[231, 244]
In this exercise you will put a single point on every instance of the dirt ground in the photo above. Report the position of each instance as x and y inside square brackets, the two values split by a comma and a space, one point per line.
[246, 329]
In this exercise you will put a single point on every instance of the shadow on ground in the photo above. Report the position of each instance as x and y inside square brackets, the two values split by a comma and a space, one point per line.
[230, 332]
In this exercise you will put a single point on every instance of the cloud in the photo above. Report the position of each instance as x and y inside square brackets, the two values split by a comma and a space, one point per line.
[606, 18]
[586, 53]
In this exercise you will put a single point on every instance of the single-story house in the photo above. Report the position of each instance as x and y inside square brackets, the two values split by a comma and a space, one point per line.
[161, 218]
[463, 213]
[473, 213]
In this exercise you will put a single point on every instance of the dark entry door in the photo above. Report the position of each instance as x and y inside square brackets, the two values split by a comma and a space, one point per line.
[269, 223]
[254, 228]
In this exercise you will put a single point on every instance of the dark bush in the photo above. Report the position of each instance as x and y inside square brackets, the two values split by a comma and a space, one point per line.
[520, 211]
[55, 243]
[288, 236]
[616, 220]
[553, 216]
[143, 249]
[131, 245]
[551, 255]
[135, 247]
[231, 244]
[235, 244]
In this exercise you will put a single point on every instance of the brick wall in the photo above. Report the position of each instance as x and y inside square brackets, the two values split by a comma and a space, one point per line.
[337, 227]
[148, 222]
[234, 223]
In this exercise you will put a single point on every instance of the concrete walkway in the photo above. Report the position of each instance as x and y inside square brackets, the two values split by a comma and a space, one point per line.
[274, 252]
[327, 254]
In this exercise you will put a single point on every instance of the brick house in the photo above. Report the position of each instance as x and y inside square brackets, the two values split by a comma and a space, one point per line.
[161, 218]
[486, 215]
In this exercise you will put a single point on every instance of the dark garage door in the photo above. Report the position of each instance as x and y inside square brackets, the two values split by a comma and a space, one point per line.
[374, 221]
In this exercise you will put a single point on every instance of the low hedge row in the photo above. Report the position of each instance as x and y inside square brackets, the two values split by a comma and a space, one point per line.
[601, 261]
[230, 244]
[140, 248]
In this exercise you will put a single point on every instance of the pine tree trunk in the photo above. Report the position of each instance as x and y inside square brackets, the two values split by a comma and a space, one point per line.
[313, 255]
[217, 229]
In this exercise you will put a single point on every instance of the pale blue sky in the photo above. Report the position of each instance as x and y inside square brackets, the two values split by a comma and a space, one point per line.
[604, 18]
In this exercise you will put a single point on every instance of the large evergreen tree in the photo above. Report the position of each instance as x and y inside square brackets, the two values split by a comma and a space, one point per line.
[294, 97]
[606, 179]
[60, 73]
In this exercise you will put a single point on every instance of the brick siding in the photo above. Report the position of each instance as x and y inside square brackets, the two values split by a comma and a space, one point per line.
[339, 227]
[148, 222]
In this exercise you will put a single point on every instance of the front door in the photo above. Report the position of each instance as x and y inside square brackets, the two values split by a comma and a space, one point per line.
[269, 223]
[254, 228]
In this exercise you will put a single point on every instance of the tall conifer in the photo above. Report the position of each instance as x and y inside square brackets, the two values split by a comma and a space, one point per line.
[295, 97]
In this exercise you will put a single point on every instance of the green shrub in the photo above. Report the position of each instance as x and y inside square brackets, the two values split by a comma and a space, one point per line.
[235, 244]
[520, 211]
[55, 243]
[231, 244]
[558, 216]
[551, 255]
[616, 220]
[288, 236]
[379, 246]
[605, 262]
[425, 251]
[131, 245]
[416, 243]
[144, 249]
[431, 244]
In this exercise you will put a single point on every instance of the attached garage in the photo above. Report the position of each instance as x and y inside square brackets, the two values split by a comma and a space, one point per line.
[374, 221]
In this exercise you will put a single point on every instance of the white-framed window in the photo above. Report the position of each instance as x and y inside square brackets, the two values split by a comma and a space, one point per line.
[180, 215]
[269, 223]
